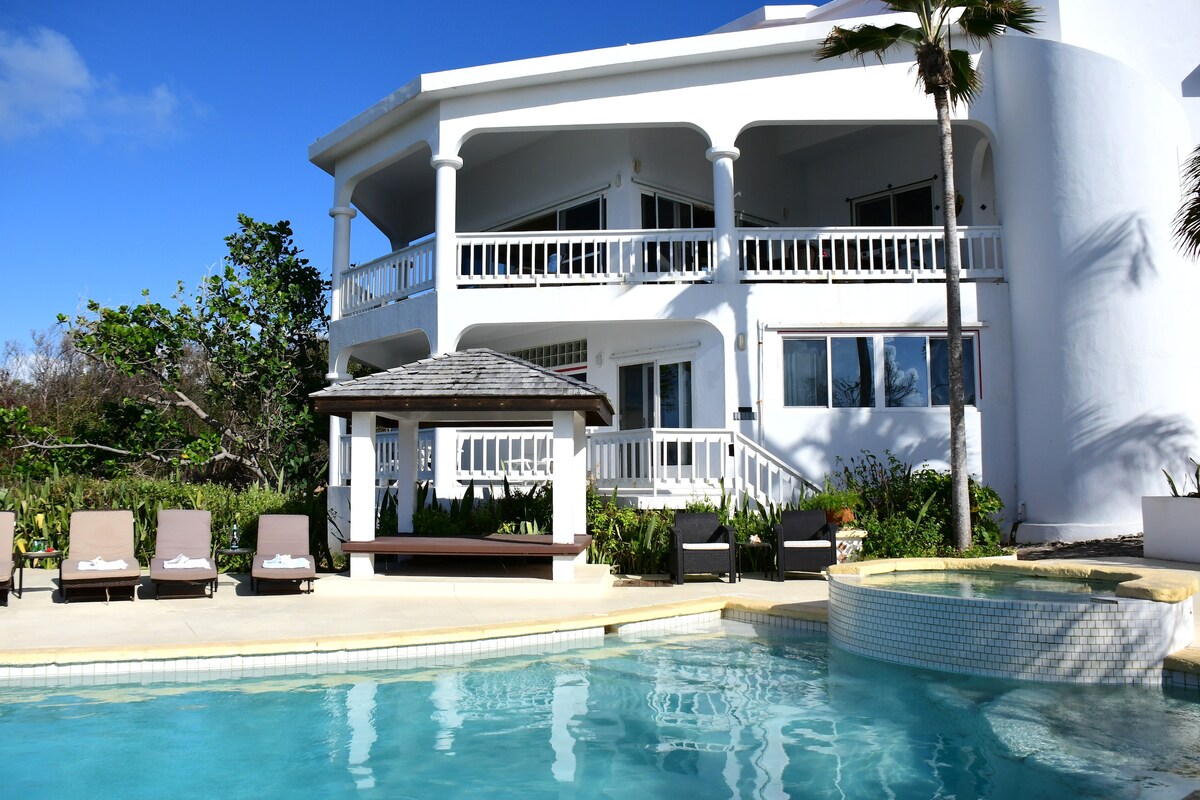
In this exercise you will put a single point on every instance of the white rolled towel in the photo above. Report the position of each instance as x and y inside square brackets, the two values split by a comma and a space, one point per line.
[100, 565]
[286, 562]
[183, 562]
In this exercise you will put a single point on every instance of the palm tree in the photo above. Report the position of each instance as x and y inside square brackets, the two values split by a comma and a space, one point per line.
[1187, 221]
[951, 77]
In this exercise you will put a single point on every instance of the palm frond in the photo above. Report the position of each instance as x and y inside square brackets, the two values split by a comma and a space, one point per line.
[864, 40]
[965, 81]
[1187, 222]
[983, 19]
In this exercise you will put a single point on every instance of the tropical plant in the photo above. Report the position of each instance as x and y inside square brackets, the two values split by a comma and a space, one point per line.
[907, 512]
[951, 77]
[1187, 220]
[1177, 490]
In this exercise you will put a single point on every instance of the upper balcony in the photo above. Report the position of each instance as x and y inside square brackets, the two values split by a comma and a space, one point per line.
[578, 258]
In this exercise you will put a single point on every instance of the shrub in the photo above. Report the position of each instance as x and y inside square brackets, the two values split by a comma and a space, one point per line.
[43, 508]
[906, 511]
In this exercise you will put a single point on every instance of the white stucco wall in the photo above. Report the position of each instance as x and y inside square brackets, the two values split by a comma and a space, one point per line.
[1101, 302]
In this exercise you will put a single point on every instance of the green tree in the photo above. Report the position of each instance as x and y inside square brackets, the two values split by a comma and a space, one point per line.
[1187, 221]
[222, 379]
[950, 76]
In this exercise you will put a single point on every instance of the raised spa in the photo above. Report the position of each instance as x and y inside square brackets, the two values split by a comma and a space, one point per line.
[1053, 622]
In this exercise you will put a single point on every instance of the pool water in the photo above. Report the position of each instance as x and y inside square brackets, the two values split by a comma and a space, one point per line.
[731, 712]
[992, 585]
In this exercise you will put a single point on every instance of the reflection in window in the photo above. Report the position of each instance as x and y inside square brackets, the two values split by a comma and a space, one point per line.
[804, 373]
[853, 371]
[939, 366]
[905, 371]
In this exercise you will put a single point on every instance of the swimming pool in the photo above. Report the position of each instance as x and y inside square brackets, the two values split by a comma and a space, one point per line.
[733, 710]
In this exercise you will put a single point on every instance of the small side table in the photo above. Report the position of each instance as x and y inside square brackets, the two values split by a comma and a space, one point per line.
[29, 558]
[753, 549]
[228, 552]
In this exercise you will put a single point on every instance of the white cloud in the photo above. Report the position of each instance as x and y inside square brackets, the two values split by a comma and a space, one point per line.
[45, 85]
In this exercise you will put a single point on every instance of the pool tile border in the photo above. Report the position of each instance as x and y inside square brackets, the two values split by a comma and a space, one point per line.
[441, 648]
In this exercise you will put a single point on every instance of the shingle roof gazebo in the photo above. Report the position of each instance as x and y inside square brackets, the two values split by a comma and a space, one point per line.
[469, 387]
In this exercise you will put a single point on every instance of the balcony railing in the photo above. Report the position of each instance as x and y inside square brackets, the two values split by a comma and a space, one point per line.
[582, 257]
[557, 258]
[389, 279]
[865, 254]
[653, 462]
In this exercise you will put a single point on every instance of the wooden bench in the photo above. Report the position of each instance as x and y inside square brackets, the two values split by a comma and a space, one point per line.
[496, 545]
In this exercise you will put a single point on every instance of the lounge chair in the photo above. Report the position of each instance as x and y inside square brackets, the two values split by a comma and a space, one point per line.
[804, 542]
[8, 528]
[186, 533]
[700, 544]
[100, 554]
[282, 543]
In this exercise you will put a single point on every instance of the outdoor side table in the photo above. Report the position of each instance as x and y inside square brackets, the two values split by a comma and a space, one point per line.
[754, 551]
[228, 552]
[36, 555]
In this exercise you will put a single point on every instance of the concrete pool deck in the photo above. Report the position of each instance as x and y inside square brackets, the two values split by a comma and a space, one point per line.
[388, 611]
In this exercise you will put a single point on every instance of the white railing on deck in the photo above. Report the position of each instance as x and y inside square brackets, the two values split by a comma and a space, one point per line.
[385, 456]
[388, 279]
[682, 462]
[492, 455]
[673, 256]
[583, 257]
[690, 461]
[864, 254]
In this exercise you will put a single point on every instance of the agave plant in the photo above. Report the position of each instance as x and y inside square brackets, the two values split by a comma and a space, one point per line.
[1194, 478]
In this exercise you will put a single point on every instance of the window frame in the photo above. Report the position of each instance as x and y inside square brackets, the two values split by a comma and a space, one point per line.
[972, 361]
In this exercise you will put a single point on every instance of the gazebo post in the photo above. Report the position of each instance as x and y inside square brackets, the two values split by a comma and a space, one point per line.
[363, 472]
[569, 481]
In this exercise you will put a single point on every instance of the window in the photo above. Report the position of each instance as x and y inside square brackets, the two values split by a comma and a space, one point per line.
[917, 371]
[845, 364]
[840, 371]
[661, 211]
[647, 403]
[804, 372]
[908, 206]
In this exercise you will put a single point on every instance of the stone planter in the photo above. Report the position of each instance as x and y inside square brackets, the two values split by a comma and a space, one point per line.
[1171, 528]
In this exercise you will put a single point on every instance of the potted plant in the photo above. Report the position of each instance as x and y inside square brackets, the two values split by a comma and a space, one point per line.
[838, 504]
[1171, 525]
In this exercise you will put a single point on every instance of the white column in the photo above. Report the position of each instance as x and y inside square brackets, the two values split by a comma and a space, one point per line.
[341, 255]
[363, 471]
[569, 482]
[725, 224]
[445, 233]
[337, 429]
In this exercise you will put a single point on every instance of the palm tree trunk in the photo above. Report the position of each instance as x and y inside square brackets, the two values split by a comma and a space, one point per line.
[960, 501]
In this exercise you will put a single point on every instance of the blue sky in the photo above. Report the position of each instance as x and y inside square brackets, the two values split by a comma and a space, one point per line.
[132, 133]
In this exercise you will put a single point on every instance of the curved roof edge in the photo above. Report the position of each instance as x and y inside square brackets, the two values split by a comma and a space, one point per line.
[800, 34]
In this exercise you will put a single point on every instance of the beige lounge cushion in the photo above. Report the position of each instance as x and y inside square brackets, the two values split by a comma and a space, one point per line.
[100, 534]
[805, 543]
[705, 546]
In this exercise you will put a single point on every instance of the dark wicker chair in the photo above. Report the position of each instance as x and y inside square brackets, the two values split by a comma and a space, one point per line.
[804, 542]
[700, 544]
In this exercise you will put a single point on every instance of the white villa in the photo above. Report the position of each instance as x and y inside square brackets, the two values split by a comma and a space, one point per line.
[741, 246]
